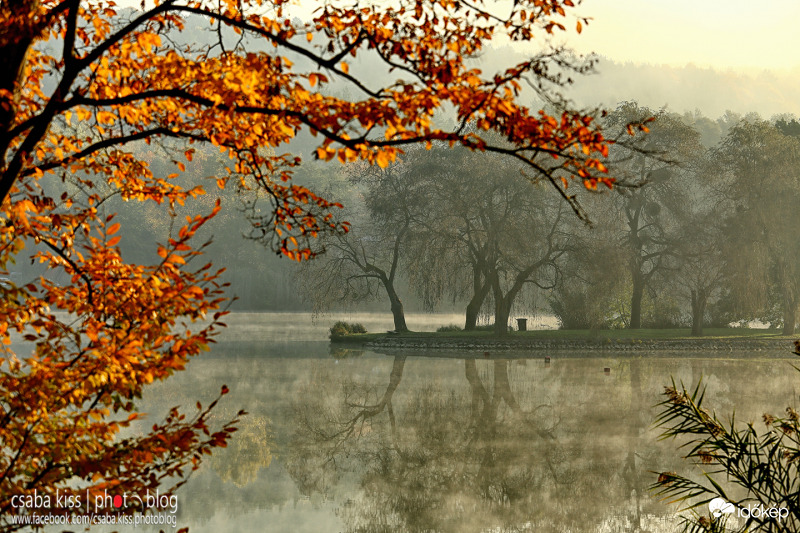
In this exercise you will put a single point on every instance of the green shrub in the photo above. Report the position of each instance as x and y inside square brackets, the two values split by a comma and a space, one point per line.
[339, 329]
[448, 329]
[343, 329]
[582, 307]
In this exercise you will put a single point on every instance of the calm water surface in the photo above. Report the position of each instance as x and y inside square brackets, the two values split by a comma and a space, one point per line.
[381, 442]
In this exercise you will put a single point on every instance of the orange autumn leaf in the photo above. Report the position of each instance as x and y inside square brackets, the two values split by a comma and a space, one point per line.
[77, 109]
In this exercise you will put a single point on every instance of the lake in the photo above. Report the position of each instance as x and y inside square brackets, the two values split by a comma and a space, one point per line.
[359, 441]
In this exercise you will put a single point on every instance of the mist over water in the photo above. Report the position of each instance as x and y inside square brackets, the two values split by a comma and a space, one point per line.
[498, 443]
[305, 327]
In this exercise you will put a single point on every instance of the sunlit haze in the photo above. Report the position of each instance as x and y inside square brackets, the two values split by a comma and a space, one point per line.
[710, 55]
[724, 34]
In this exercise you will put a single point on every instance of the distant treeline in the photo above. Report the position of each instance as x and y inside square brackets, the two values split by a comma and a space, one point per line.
[700, 229]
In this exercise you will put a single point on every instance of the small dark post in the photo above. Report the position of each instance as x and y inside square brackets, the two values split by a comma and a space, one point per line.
[607, 371]
[522, 324]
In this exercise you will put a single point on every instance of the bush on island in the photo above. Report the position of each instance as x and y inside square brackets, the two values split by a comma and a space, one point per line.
[342, 329]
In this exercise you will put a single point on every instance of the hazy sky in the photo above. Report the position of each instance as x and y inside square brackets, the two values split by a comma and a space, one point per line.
[725, 34]
[709, 55]
[686, 55]
[735, 34]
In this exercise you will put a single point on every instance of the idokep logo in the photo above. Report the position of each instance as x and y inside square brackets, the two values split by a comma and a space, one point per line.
[720, 506]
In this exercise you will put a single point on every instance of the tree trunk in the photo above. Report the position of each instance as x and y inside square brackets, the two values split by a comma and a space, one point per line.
[502, 310]
[397, 308]
[474, 306]
[398, 315]
[789, 317]
[13, 58]
[790, 298]
[502, 304]
[698, 312]
[636, 301]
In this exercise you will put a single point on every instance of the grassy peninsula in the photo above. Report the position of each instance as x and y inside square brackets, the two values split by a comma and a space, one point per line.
[580, 337]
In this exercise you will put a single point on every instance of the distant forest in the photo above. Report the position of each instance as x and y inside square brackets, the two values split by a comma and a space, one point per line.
[701, 230]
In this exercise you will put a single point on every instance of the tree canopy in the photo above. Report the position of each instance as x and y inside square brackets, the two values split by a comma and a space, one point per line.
[87, 80]
[121, 77]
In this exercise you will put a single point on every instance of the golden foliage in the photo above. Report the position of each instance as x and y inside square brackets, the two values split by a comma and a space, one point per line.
[83, 80]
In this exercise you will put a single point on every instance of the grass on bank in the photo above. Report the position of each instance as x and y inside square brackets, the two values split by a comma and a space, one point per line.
[581, 334]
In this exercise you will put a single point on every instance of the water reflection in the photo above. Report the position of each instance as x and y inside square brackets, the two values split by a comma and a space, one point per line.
[251, 448]
[396, 442]
[487, 456]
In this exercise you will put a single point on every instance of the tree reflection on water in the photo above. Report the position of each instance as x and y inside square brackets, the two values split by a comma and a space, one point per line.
[490, 455]
[364, 442]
